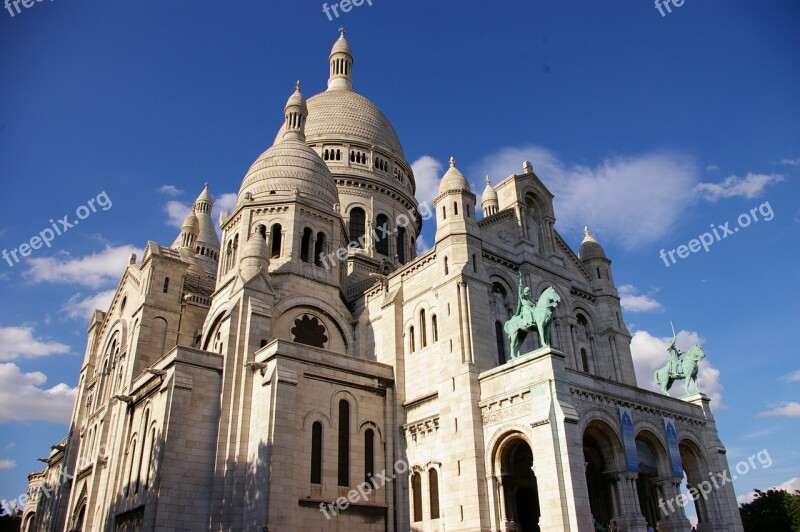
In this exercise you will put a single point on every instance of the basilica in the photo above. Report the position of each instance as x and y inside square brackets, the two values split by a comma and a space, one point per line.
[311, 370]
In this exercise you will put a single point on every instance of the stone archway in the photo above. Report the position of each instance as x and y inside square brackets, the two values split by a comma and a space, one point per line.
[517, 487]
[600, 454]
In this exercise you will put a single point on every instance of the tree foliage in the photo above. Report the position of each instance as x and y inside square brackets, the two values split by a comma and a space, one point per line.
[772, 510]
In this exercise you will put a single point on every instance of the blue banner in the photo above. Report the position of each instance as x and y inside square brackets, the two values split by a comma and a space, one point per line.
[628, 439]
[674, 452]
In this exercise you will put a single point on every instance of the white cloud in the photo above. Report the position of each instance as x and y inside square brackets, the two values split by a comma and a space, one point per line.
[176, 212]
[634, 302]
[791, 162]
[787, 409]
[23, 398]
[92, 270]
[791, 485]
[712, 168]
[427, 173]
[7, 463]
[19, 342]
[422, 245]
[793, 376]
[750, 186]
[82, 307]
[170, 190]
[634, 199]
[650, 353]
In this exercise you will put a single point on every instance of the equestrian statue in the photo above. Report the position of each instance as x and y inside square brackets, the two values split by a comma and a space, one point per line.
[680, 366]
[531, 316]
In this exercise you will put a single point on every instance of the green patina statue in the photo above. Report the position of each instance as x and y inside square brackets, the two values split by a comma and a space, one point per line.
[531, 316]
[680, 366]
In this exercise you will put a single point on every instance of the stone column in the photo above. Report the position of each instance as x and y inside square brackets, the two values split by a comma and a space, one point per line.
[630, 516]
[673, 518]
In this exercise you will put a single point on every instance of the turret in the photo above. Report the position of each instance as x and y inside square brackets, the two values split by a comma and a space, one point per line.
[489, 203]
[341, 62]
[455, 205]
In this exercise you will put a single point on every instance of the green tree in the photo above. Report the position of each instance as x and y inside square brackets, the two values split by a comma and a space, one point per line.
[772, 510]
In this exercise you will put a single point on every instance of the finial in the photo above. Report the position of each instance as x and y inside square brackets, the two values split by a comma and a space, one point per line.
[297, 85]
[341, 31]
[488, 181]
[586, 231]
[206, 185]
[452, 162]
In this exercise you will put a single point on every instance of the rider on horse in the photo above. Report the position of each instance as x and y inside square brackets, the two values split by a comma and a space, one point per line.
[525, 305]
[675, 366]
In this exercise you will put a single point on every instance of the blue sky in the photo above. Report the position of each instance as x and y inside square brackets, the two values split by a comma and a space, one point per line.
[648, 128]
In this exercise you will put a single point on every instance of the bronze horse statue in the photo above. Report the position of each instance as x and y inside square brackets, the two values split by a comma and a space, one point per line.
[690, 364]
[531, 317]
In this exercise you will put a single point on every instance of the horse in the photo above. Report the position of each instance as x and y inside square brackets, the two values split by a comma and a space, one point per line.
[691, 363]
[516, 329]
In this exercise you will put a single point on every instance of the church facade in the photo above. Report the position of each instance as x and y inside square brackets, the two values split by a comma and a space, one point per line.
[311, 371]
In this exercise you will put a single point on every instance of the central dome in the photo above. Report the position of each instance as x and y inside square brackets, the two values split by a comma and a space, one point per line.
[347, 116]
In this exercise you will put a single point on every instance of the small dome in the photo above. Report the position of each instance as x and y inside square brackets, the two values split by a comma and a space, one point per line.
[191, 224]
[453, 179]
[254, 255]
[290, 164]
[341, 46]
[489, 193]
[590, 247]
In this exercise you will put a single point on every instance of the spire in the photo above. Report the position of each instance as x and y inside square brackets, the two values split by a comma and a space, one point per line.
[489, 202]
[203, 203]
[590, 247]
[295, 114]
[341, 64]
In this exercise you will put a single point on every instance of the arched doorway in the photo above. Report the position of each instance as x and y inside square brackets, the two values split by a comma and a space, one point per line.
[517, 486]
[600, 452]
[646, 486]
[696, 471]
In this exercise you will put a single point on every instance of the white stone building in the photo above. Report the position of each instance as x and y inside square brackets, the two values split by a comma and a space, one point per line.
[254, 384]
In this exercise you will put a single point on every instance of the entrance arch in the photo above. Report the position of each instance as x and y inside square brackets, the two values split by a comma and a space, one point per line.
[601, 452]
[516, 485]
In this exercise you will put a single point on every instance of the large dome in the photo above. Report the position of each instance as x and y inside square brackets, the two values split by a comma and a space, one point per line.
[289, 165]
[345, 115]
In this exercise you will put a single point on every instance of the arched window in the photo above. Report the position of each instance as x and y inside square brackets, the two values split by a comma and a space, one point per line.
[423, 337]
[344, 443]
[455, 208]
[501, 342]
[369, 454]
[416, 493]
[382, 234]
[160, 335]
[319, 248]
[132, 455]
[444, 212]
[433, 488]
[358, 221]
[401, 245]
[276, 233]
[584, 360]
[166, 285]
[316, 453]
[151, 458]
[434, 329]
[235, 248]
[411, 345]
[446, 268]
[305, 245]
